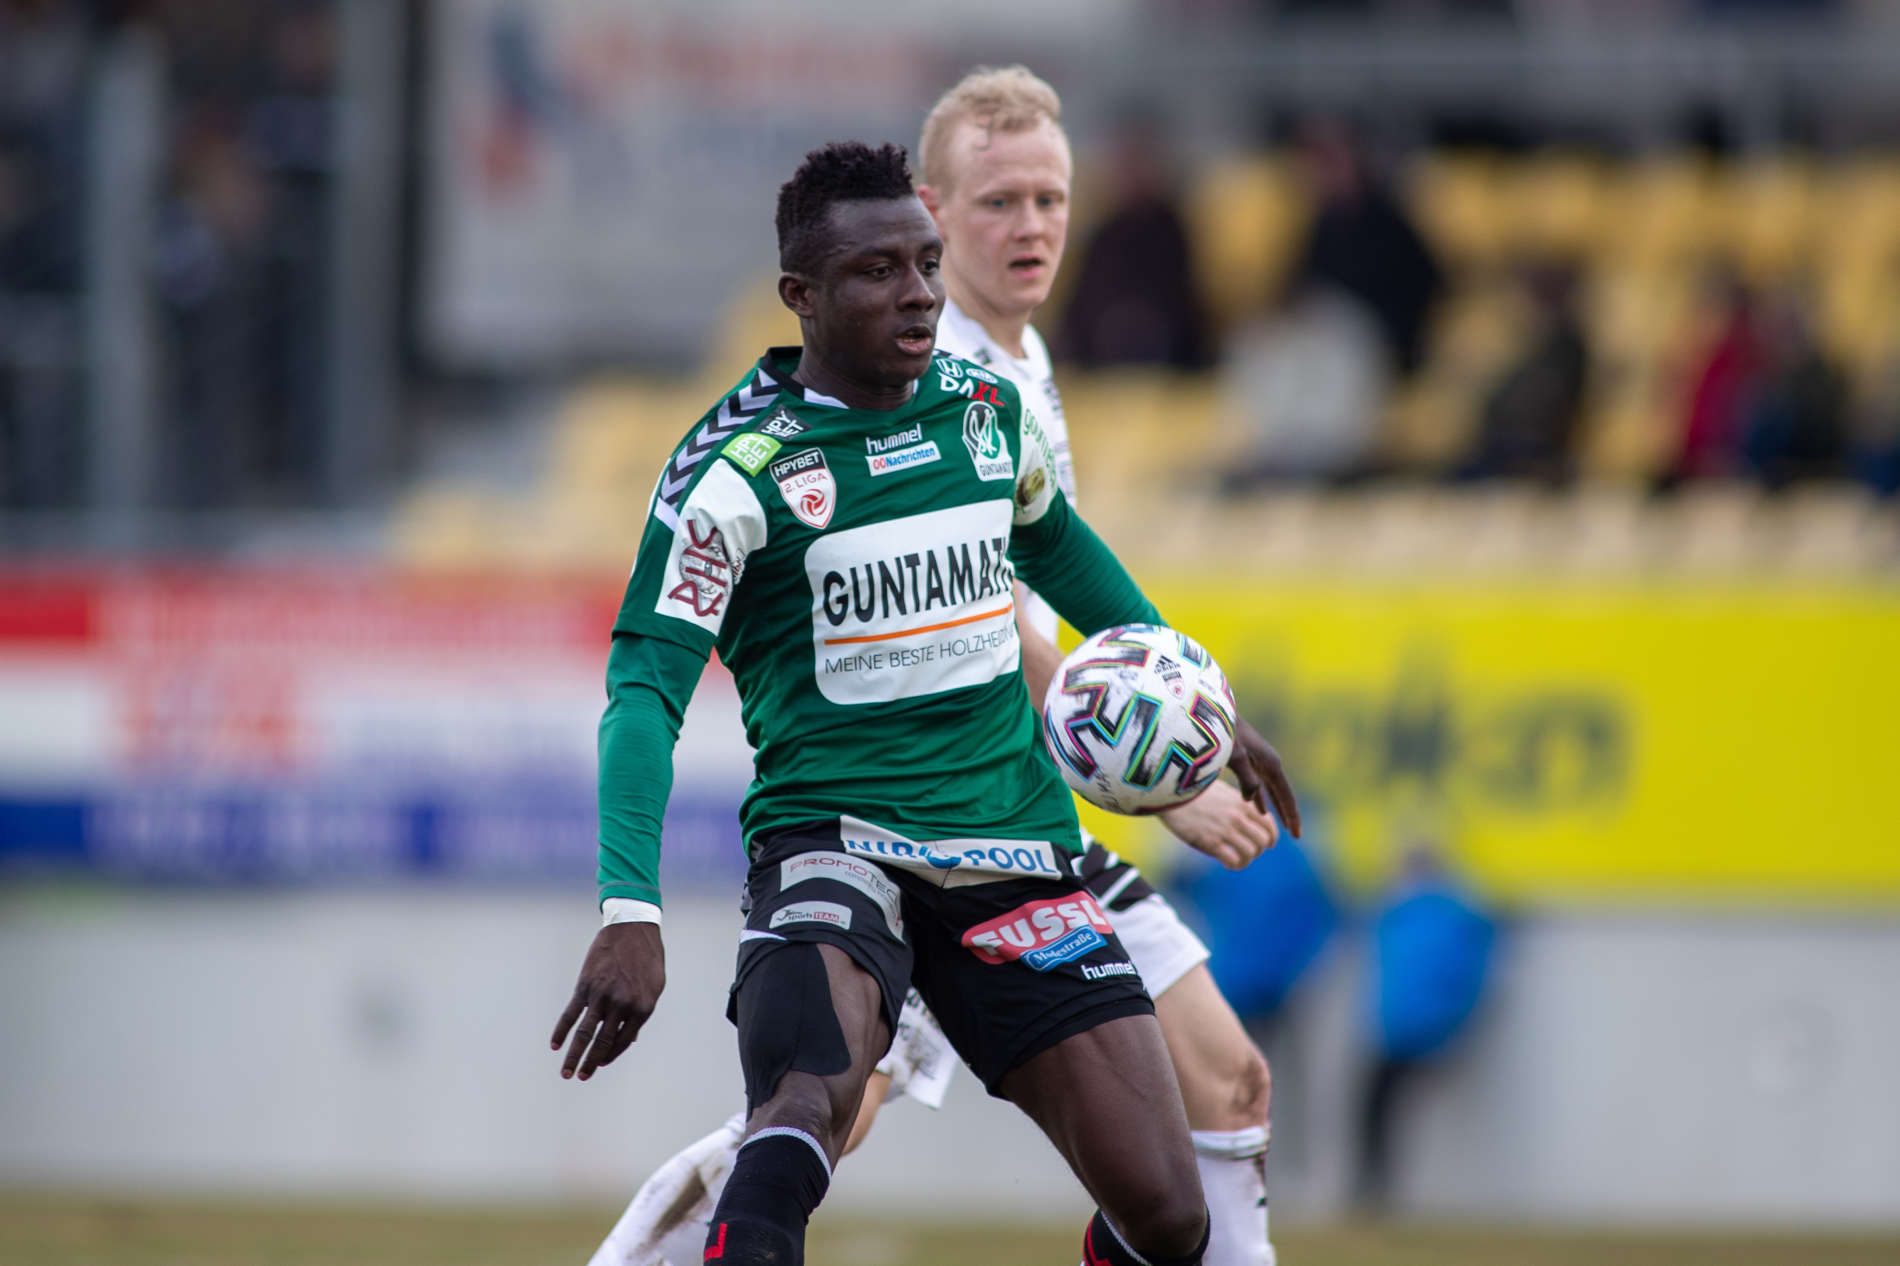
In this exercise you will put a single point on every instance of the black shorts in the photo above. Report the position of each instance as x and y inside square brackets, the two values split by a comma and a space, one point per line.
[1110, 878]
[1010, 967]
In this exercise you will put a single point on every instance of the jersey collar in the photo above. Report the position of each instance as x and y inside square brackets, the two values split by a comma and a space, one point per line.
[777, 365]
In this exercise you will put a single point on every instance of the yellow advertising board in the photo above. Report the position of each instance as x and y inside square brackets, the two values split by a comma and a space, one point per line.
[1578, 744]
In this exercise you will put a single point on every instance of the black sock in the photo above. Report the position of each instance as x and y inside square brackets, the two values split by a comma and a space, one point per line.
[779, 1178]
[1101, 1246]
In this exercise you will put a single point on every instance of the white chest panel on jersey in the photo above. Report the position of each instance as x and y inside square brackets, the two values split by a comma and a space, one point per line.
[960, 335]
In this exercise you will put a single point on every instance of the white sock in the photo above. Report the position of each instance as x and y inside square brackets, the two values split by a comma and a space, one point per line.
[665, 1224]
[1233, 1165]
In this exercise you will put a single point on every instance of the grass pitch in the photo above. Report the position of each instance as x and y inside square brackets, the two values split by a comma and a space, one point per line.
[40, 1230]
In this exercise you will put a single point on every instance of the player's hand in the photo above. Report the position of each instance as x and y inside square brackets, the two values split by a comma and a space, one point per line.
[1221, 823]
[620, 984]
[1261, 776]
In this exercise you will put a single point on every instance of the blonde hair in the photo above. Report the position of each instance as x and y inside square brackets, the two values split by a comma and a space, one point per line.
[1005, 99]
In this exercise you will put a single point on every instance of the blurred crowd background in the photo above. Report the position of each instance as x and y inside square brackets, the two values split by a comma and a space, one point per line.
[1508, 391]
[1638, 245]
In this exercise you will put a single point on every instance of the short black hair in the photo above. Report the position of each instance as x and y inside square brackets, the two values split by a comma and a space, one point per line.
[841, 171]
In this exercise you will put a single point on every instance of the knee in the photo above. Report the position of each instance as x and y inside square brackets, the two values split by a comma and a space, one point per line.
[1251, 1096]
[1169, 1225]
[1235, 1094]
[803, 1103]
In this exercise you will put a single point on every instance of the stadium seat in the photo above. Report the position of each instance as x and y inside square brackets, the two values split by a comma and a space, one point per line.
[1246, 215]
[1668, 213]
[1463, 205]
[1559, 205]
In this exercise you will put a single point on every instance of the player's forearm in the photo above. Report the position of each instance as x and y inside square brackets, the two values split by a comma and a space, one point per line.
[1061, 558]
[649, 682]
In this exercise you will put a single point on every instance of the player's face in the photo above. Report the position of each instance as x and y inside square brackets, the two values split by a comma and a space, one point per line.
[1005, 214]
[876, 299]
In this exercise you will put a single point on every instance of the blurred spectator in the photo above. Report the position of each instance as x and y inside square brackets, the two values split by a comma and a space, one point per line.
[1877, 427]
[1431, 958]
[288, 136]
[1724, 373]
[1308, 386]
[37, 248]
[1794, 426]
[43, 48]
[1135, 300]
[210, 287]
[1527, 428]
[1765, 402]
[1265, 924]
[242, 260]
[1361, 241]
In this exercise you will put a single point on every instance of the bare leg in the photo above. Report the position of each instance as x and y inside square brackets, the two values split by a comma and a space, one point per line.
[874, 1090]
[665, 1224]
[1108, 1100]
[1225, 1083]
[1227, 1091]
[826, 1107]
[795, 1136]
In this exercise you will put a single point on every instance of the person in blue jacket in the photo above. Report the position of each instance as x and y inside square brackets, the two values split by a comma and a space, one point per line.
[1431, 958]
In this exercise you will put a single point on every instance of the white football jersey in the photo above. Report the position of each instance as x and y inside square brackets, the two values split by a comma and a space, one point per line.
[960, 335]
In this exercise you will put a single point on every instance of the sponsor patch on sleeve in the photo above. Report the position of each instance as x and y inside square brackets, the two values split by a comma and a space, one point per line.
[750, 452]
[703, 572]
[805, 481]
[715, 528]
[1037, 485]
[782, 426]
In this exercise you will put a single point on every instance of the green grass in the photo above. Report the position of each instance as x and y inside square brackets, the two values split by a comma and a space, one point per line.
[89, 1231]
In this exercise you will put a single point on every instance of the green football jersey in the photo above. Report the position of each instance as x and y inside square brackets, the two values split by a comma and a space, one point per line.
[854, 570]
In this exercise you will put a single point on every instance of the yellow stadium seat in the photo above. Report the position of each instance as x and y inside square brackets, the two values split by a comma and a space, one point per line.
[1463, 205]
[1667, 212]
[1629, 428]
[1559, 205]
[1246, 216]
[754, 321]
[1771, 207]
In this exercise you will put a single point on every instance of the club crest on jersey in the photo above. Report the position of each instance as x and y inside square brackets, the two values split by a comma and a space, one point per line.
[984, 438]
[805, 481]
[782, 425]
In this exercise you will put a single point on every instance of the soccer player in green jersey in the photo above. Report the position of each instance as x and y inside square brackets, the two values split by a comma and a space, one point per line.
[995, 167]
[903, 827]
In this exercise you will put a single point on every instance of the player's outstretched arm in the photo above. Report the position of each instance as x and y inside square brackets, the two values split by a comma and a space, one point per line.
[1262, 777]
[649, 683]
[620, 983]
[1224, 824]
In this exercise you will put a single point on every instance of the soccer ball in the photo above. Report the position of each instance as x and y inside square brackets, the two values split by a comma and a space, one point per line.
[1139, 719]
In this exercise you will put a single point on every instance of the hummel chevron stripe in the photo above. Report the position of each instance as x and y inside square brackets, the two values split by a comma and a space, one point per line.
[733, 413]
